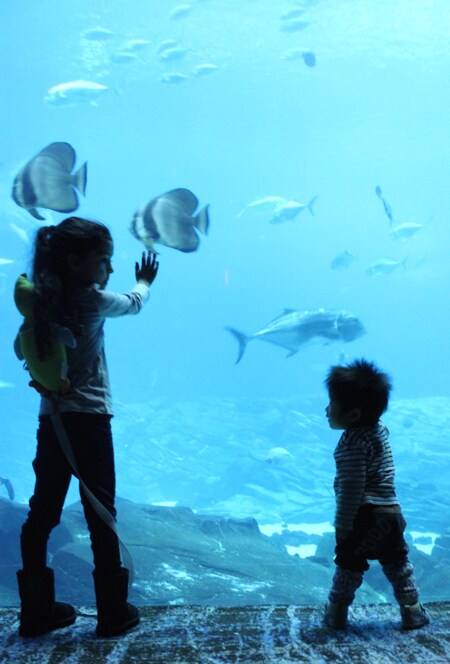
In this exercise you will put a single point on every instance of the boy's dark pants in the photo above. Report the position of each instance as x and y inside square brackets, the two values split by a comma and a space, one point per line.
[377, 535]
[91, 439]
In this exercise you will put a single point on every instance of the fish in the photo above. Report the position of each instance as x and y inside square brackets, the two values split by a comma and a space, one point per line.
[20, 232]
[267, 201]
[4, 384]
[204, 69]
[294, 330]
[404, 231]
[309, 58]
[97, 34]
[173, 53]
[75, 92]
[293, 25]
[134, 45]
[386, 206]
[8, 486]
[180, 11]
[6, 261]
[342, 261]
[384, 266]
[174, 77]
[290, 209]
[169, 220]
[47, 181]
[123, 57]
[295, 12]
[167, 43]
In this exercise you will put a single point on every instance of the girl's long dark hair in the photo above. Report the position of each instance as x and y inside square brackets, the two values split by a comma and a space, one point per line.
[53, 293]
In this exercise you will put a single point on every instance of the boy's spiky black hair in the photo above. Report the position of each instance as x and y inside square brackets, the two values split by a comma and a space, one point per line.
[361, 385]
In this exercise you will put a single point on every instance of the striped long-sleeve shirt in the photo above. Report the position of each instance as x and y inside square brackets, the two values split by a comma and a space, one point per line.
[364, 472]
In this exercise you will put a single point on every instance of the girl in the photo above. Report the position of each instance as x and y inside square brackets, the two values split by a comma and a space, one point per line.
[71, 268]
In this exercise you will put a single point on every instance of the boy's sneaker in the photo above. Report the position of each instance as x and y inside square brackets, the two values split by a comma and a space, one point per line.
[413, 616]
[335, 615]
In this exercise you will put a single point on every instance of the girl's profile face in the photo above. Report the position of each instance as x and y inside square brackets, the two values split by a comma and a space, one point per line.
[95, 267]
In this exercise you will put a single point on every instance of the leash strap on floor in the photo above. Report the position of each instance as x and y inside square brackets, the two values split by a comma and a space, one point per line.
[95, 502]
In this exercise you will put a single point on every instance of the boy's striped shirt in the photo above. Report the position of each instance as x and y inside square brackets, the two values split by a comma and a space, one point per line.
[364, 472]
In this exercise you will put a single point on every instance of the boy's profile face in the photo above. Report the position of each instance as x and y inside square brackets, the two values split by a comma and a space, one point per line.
[340, 419]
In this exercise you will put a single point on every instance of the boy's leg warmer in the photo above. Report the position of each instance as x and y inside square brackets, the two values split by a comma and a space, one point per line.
[401, 576]
[345, 584]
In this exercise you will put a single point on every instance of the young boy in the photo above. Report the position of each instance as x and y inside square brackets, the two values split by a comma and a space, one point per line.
[369, 523]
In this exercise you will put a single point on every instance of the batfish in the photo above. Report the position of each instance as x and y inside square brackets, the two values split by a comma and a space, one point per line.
[47, 181]
[294, 329]
[169, 219]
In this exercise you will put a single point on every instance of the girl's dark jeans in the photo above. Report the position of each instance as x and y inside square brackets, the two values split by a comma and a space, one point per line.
[91, 440]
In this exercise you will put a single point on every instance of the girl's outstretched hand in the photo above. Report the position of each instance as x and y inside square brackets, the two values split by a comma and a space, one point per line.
[148, 269]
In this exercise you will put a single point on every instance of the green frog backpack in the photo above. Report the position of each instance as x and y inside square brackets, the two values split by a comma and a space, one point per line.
[48, 375]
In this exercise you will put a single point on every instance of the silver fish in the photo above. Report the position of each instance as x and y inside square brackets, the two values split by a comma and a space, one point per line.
[174, 53]
[47, 181]
[404, 231]
[97, 34]
[384, 266]
[174, 77]
[180, 11]
[75, 92]
[295, 329]
[169, 220]
[166, 44]
[294, 25]
[123, 57]
[290, 209]
[135, 45]
[204, 69]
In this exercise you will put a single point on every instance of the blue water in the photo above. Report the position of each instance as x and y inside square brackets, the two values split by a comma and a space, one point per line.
[373, 111]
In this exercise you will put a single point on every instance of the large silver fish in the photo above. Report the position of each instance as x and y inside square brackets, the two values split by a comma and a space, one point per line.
[47, 181]
[75, 92]
[290, 209]
[169, 220]
[294, 329]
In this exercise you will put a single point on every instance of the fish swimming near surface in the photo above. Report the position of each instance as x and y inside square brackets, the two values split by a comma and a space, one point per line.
[170, 220]
[135, 45]
[180, 11]
[97, 34]
[294, 25]
[204, 69]
[75, 92]
[174, 77]
[47, 181]
[288, 210]
[294, 330]
[174, 53]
